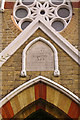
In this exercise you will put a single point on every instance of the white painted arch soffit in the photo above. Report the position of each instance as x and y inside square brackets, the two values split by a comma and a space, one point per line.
[36, 80]
[47, 29]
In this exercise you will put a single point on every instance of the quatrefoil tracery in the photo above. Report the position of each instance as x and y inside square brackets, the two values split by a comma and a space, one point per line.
[57, 14]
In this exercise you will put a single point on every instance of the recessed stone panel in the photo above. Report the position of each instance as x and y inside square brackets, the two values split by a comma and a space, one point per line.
[40, 57]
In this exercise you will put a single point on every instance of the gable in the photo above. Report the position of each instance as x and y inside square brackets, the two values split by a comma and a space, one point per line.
[55, 36]
[52, 88]
[12, 69]
[9, 56]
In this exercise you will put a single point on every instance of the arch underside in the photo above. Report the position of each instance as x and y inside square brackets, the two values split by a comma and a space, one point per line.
[41, 109]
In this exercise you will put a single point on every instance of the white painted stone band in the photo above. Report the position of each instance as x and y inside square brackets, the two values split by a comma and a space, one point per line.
[60, 40]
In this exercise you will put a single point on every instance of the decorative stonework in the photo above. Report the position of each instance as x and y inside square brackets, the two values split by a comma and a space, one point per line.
[45, 80]
[28, 32]
[3, 58]
[40, 55]
[57, 14]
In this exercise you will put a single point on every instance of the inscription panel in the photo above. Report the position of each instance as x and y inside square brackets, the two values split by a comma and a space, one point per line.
[40, 57]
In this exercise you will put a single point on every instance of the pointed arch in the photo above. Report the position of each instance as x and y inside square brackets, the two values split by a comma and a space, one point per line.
[40, 88]
[56, 69]
[43, 110]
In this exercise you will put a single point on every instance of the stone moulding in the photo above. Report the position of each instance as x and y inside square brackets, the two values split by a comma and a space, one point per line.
[56, 70]
[2, 5]
[47, 29]
[36, 80]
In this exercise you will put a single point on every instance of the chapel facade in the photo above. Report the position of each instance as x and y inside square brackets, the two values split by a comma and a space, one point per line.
[39, 60]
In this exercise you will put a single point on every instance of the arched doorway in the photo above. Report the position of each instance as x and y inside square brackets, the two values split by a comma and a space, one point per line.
[40, 115]
[41, 110]
[40, 93]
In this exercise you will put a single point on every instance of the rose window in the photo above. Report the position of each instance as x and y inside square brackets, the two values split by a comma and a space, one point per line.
[57, 13]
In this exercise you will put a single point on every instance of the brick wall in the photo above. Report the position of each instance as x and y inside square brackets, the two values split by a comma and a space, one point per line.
[1, 32]
[71, 33]
[69, 69]
[9, 30]
[0, 51]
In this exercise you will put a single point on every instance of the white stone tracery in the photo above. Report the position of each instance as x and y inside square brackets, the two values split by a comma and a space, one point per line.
[56, 70]
[46, 9]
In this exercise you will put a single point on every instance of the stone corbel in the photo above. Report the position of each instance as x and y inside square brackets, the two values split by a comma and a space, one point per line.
[2, 5]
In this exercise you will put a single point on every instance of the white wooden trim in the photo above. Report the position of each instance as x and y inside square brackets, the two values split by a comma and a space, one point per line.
[56, 70]
[36, 80]
[26, 34]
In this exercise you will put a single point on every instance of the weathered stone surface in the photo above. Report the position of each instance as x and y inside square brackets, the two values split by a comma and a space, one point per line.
[40, 57]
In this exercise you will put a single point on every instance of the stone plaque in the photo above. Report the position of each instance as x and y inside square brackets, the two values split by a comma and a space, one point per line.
[40, 57]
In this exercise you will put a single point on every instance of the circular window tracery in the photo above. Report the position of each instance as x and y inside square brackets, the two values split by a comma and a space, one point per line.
[57, 2]
[21, 13]
[42, 12]
[25, 2]
[25, 24]
[47, 9]
[58, 25]
[63, 12]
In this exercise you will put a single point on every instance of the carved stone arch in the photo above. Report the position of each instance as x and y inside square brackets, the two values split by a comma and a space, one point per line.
[42, 110]
[42, 89]
[55, 54]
